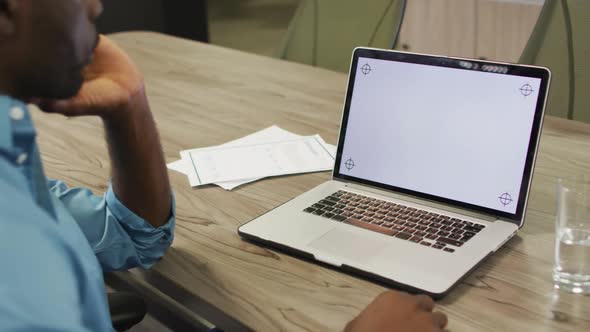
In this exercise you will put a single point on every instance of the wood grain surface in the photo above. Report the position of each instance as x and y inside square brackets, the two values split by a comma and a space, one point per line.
[204, 95]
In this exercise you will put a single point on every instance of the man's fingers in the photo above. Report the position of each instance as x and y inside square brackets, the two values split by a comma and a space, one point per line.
[440, 319]
[425, 302]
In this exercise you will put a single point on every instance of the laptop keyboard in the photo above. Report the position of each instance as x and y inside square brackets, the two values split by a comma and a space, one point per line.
[421, 227]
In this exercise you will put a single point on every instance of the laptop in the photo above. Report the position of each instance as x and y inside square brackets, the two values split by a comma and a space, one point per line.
[432, 174]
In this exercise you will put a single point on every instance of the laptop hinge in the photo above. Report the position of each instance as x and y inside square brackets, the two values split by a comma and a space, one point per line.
[420, 201]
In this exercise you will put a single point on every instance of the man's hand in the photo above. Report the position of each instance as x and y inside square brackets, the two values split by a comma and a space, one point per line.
[112, 83]
[113, 89]
[399, 312]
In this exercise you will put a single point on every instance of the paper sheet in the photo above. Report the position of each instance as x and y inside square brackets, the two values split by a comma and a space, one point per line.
[270, 134]
[229, 163]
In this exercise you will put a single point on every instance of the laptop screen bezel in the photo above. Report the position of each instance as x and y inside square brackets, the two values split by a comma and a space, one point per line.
[457, 63]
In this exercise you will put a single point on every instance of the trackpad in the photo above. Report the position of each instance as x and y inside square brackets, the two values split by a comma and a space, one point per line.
[351, 246]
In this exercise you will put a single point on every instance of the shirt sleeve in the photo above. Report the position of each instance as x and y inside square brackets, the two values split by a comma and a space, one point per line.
[120, 239]
[44, 286]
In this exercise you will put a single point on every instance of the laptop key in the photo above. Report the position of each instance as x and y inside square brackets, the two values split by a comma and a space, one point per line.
[469, 234]
[455, 236]
[409, 230]
[416, 239]
[449, 249]
[371, 227]
[436, 246]
[328, 215]
[326, 202]
[450, 241]
[318, 212]
[339, 218]
[424, 243]
[465, 238]
[432, 236]
[472, 229]
[309, 210]
[403, 236]
[457, 231]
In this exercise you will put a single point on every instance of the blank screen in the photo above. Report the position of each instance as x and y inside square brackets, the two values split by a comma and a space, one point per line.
[452, 133]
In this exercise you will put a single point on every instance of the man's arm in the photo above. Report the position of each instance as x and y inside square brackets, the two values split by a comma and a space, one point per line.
[140, 177]
[114, 91]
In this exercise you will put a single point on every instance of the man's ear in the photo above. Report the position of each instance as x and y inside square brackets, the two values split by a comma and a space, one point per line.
[8, 10]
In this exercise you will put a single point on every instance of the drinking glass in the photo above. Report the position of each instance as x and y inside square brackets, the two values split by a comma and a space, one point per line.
[571, 271]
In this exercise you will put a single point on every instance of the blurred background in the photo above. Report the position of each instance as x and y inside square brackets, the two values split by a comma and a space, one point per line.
[323, 33]
[494, 29]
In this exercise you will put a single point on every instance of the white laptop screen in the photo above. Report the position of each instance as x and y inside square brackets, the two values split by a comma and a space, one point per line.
[457, 134]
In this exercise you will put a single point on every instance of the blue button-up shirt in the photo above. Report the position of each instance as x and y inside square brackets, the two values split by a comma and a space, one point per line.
[55, 242]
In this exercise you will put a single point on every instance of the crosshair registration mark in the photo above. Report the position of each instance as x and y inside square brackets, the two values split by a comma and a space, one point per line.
[505, 199]
[366, 69]
[526, 90]
[349, 164]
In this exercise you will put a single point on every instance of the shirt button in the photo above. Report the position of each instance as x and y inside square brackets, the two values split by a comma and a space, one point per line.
[22, 158]
[17, 113]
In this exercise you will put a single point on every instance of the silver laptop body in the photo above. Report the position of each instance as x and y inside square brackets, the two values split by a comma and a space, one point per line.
[432, 174]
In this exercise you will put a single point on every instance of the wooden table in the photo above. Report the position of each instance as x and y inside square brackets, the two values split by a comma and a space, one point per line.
[204, 95]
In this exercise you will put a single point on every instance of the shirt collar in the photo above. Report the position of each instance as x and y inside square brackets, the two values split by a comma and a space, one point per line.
[5, 124]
